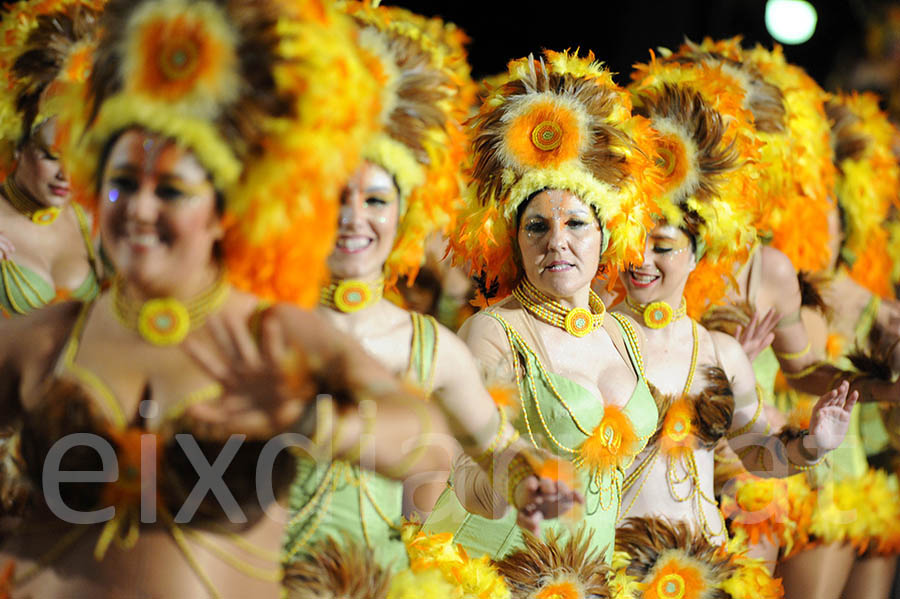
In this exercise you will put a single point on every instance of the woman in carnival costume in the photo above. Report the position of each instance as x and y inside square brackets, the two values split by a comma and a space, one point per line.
[853, 515]
[708, 393]
[404, 190]
[788, 111]
[166, 144]
[557, 197]
[46, 249]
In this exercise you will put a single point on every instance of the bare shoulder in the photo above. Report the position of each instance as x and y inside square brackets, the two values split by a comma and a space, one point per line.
[778, 270]
[481, 326]
[726, 346]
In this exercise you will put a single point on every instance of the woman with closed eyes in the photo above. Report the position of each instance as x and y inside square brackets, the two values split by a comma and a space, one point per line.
[703, 381]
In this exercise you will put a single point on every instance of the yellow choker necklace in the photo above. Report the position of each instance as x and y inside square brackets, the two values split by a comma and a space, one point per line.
[24, 203]
[167, 321]
[657, 315]
[577, 321]
[351, 295]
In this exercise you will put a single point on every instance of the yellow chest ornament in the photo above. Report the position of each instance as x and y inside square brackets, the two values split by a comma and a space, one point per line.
[167, 321]
[21, 201]
[577, 321]
[657, 315]
[351, 295]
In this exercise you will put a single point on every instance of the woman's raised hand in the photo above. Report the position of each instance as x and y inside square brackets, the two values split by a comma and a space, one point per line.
[265, 385]
[830, 418]
[758, 334]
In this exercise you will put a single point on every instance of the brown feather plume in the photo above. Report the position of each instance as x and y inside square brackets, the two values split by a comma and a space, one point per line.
[646, 540]
[763, 99]
[540, 563]
[848, 141]
[336, 571]
[811, 291]
[727, 318]
[704, 126]
[46, 50]
[605, 158]
[420, 91]
[875, 360]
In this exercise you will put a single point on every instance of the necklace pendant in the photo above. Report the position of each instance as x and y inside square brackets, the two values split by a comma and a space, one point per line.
[579, 322]
[45, 216]
[164, 321]
[658, 315]
[352, 296]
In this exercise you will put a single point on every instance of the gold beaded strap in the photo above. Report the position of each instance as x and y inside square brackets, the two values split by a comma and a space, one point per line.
[657, 315]
[795, 355]
[577, 321]
[351, 295]
[167, 321]
[28, 206]
[632, 336]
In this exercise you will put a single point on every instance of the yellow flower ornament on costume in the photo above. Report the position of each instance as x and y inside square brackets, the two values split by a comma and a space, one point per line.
[274, 99]
[189, 61]
[558, 122]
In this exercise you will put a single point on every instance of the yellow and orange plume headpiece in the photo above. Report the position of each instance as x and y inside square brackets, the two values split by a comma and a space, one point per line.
[273, 98]
[796, 173]
[46, 46]
[708, 177]
[867, 187]
[421, 143]
[810, 161]
[555, 123]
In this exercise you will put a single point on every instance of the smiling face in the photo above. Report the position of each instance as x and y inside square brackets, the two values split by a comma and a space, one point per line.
[38, 169]
[668, 260]
[560, 241]
[158, 220]
[370, 209]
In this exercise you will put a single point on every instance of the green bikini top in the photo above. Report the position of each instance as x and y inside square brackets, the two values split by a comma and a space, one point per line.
[22, 290]
[565, 418]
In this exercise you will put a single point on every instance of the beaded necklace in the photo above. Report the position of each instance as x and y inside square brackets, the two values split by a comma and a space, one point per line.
[657, 315]
[351, 295]
[577, 321]
[28, 206]
[167, 321]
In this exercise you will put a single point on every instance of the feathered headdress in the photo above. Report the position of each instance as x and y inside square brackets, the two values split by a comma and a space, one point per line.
[421, 143]
[553, 568]
[788, 114]
[810, 160]
[555, 123]
[273, 98]
[46, 47]
[707, 176]
[868, 184]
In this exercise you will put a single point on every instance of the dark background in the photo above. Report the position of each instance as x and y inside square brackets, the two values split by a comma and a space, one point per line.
[621, 32]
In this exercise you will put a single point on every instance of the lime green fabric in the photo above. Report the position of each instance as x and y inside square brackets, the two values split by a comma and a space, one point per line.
[765, 367]
[338, 500]
[22, 290]
[499, 537]
[875, 437]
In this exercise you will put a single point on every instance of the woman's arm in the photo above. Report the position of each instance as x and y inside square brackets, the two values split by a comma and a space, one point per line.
[800, 361]
[785, 452]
